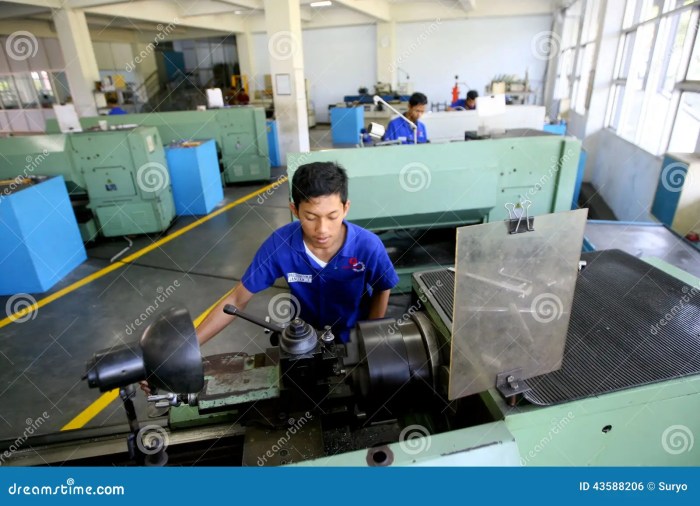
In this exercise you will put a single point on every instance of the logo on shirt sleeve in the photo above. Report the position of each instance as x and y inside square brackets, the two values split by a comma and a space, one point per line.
[293, 277]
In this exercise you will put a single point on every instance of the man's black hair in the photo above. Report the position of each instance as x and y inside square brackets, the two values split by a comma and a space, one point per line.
[319, 179]
[472, 95]
[417, 99]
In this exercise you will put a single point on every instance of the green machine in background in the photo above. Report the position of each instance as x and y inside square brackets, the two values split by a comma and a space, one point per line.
[427, 187]
[240, 134]
[118, 179]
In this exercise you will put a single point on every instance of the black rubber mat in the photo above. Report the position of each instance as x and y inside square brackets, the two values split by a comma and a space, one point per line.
[616, 339]
[444, 296]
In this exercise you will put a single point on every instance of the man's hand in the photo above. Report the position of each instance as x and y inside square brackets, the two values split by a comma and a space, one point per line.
[145, 387]
[378, 304]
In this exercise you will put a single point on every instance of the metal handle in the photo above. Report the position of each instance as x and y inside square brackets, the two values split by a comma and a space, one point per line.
[232, 310]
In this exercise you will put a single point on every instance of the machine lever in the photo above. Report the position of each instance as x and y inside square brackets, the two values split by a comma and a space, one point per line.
[232, 310]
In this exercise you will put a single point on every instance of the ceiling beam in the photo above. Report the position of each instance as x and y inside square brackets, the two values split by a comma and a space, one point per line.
[83, 4]
[377, 9]
[47, 4]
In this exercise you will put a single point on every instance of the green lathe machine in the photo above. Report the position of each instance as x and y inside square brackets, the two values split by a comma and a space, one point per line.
[240, 134]
[118, 180]
[414, 196]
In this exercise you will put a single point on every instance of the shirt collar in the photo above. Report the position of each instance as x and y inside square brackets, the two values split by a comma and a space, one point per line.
[346, 250]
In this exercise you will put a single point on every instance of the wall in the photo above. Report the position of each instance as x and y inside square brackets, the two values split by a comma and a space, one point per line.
[338, 61]
[475, 49]
[625, 175]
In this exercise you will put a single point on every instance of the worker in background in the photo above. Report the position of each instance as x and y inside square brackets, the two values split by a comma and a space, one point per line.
[338, 273]
[399, 129]
[469, 102]
[114, 108]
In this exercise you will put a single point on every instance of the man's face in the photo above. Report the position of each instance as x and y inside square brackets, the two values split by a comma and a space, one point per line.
[415, 112]
[322, 220]
[471, 103]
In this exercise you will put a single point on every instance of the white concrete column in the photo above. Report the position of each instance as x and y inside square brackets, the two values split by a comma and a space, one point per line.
[283, 22]
[244, 46]
[79, 57]
[386, 54]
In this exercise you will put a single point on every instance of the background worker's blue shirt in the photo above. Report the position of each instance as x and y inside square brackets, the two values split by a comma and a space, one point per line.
[337, 295]
[459, 103]
[116, 110]
[398, 128]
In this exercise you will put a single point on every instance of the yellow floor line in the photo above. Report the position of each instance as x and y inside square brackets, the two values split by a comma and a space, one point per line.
[106, 399]
[103, 272]
[91, 411]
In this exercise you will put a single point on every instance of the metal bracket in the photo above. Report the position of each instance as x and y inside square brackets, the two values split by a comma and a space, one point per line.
[511, 383]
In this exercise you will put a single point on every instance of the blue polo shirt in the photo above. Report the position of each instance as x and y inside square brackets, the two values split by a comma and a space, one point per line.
[338, 294]
[398, 128]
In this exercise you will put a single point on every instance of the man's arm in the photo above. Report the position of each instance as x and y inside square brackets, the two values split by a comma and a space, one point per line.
[378, 304]
[217, 320]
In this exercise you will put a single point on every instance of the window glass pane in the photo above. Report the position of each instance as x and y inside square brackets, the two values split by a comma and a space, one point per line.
[588, 53]
[672, 36]
[8, 93]
[694, 67]
[42, 84]
[60, 87]
[686, 128]
[632, 103]
[27, 93]
[641, 54]
[675, 4]
[638, 11]
[590, 23]
[627, 51]
[618, 94]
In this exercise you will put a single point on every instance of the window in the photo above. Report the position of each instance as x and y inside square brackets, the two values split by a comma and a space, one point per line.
[686, 129]
[575, 69]
[652, 61]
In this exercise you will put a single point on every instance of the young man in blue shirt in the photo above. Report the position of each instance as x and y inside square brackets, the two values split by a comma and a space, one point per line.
[398, 128]
[338, 272]
[469, 103]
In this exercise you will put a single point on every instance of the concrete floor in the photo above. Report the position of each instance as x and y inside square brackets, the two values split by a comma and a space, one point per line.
[43, 358]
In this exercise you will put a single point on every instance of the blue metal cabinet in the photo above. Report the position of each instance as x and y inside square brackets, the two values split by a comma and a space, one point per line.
[195, 178]
[41, 241]
[346, 123]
